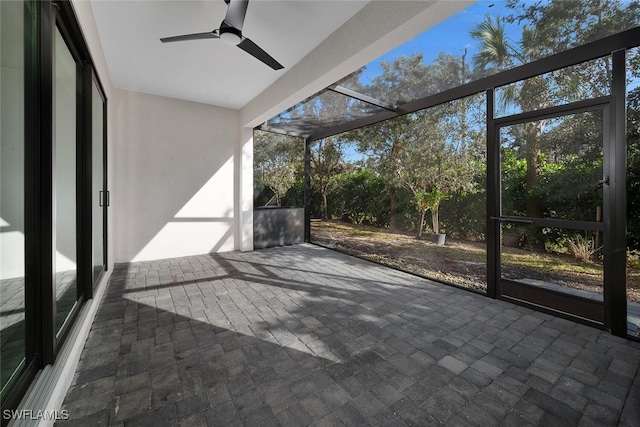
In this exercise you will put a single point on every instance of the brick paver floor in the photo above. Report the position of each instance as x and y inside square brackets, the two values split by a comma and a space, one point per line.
[303, 335]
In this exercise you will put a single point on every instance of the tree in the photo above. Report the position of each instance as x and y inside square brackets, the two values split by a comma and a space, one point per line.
[439, 161]
[278, 163]
[326, 164]
[496, 53]
[384, 143]
[430, 201]
[561, 25]
[360, 197]
[552, 27]
[633, 170]
[564, 24]
[405, 149]
[402, 80]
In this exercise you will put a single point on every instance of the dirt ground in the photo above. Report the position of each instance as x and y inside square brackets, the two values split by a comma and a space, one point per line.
[462, 263]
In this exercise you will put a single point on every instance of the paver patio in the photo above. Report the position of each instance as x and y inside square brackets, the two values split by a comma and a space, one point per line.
[303, 335]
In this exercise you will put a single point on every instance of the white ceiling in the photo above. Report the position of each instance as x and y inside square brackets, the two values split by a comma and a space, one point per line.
[209, 71]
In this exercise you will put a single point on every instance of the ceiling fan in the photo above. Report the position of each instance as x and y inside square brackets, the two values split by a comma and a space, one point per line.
[230, 32]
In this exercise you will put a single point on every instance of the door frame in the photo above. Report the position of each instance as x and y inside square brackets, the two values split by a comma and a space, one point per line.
[614, 306]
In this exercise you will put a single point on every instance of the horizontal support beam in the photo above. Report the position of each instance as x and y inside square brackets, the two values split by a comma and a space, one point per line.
[271, 129]
[362, 97]
[555, 111]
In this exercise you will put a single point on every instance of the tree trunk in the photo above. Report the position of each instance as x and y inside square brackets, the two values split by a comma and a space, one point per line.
[534, 204]
[421, 224]
[325, 211]
[434, 220]
[393, 208]
[534, 171]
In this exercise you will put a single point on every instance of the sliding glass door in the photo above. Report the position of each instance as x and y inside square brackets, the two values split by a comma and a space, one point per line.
[65, 176]
[52, 186]
[12, 206]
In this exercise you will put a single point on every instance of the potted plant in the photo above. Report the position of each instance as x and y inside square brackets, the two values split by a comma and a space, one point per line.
[430, 201]
[511, 236]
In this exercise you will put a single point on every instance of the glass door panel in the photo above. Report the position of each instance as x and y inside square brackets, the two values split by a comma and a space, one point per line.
[551, 188]
[65, 137]
[98, 184]
[12, 207]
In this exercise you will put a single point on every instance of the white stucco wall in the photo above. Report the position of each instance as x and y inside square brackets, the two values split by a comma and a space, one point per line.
[173, 188]
[180, 173]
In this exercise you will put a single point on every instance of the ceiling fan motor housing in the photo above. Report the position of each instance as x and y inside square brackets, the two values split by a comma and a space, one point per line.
[230, 35]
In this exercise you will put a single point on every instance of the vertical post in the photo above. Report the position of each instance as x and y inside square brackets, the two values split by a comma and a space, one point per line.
[244, 186]
[598, 234]
[615, 194]
[307, 190]
[84, 183]
[32, 183]
[105, 181]
[493, 202]
[43, 266]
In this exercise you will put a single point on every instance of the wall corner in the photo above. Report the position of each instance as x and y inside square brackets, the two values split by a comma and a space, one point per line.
[244, 186]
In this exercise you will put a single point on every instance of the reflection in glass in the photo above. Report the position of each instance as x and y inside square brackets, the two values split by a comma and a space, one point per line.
[65, 181]
[570, 261]
[552, 168]
[12, 240]
[97, 153]
[633, 194]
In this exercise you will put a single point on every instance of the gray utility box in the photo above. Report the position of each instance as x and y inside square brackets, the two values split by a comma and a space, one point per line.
[277, 226]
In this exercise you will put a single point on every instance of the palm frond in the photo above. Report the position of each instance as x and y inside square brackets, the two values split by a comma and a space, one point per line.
[494, 47]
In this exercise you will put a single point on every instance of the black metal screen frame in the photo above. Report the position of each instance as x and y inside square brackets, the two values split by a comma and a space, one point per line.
[574, 307]
[577, 55]
[614, 45]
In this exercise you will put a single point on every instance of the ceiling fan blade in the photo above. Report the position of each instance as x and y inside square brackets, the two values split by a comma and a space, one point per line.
[198, 36]
[235, 13]
[253, 49]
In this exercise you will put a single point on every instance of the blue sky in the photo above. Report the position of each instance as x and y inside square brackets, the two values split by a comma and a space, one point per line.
[450, 36]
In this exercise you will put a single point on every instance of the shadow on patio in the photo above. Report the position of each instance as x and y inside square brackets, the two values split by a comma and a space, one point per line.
[304, 335]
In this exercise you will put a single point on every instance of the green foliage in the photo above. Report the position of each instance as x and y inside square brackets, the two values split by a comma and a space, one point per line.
[514, 188]
[429, 201]
[564, 24]
[582, 248]
[550, 168]
[277, 165]
[633, 170]
[326, 163]
[464, 214]
[361, 198]
[295, 195]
